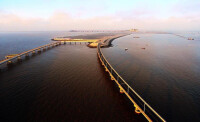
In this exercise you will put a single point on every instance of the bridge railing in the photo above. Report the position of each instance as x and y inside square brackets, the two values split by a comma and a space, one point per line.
[149, 113]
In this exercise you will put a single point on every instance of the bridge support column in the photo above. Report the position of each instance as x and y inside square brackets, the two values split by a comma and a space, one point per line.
[19, 58]
[27, 55]
[9, 62]
[121, 90]
[70, 43]
[64, 42]
[137, 109]
[112, 78]
[102, 63]
[106, 69]
[75, 43]
[39, 50]
[33, 52]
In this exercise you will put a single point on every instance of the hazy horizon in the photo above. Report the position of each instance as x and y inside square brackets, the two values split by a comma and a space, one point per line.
[63, 15]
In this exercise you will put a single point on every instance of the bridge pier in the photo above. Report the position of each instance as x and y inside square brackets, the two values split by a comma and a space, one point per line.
[39, 50]
[33, 52]
[19, 58]
[106, 69]
[27, 55]
[112, 78]
[9, 62]
[121, 90]
[137, 109]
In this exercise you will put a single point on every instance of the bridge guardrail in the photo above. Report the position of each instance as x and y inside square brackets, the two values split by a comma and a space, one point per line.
[139, 103]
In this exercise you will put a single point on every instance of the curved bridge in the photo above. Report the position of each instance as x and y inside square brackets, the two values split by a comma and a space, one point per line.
[140, 105]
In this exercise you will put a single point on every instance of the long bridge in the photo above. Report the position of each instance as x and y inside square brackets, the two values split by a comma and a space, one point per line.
[141, 106]
[10, 58]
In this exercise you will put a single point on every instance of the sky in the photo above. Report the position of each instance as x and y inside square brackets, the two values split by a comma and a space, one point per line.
[61, 15]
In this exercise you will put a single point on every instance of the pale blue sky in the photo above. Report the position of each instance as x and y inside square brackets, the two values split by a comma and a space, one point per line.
[39, 8]
[44, 11]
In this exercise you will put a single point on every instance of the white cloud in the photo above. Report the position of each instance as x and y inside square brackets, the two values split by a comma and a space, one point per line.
[64, 21]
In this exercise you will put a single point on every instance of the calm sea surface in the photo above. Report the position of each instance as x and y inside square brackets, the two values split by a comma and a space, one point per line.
[65, 83]
[164, 69]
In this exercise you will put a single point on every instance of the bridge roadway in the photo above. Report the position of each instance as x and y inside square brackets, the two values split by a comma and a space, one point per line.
[75, 40]
[141, 106]
[107, 42]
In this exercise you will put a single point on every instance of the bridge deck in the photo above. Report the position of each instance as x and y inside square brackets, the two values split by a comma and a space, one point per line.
[75, 40]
